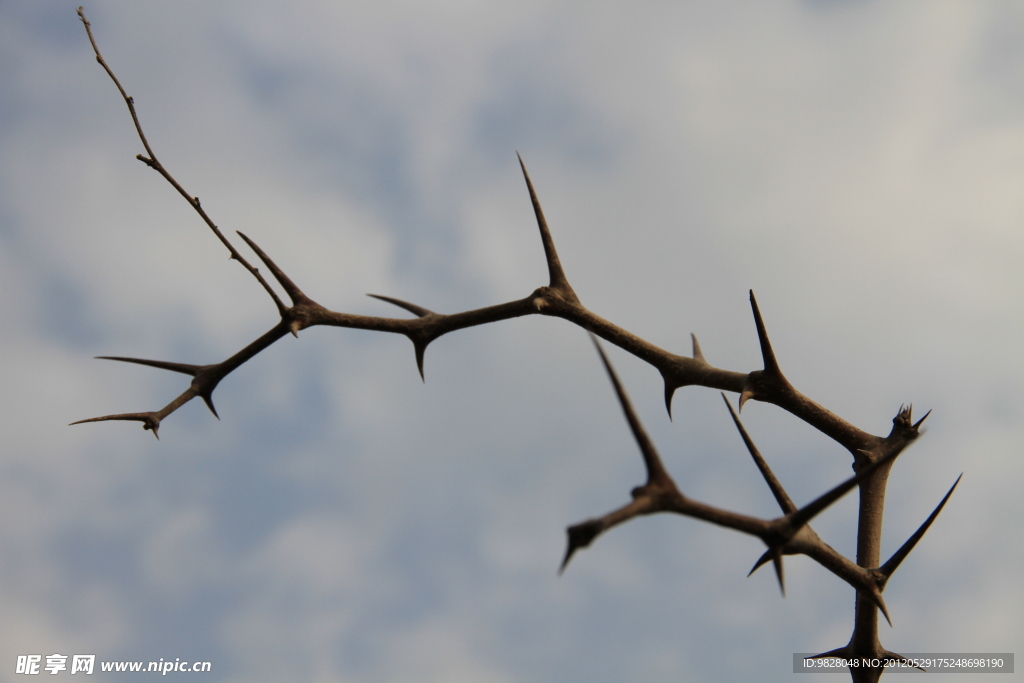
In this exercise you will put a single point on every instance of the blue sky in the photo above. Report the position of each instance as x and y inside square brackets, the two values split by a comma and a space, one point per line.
[858, 164]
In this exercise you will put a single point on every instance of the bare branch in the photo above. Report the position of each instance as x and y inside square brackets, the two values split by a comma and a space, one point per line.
[151, 161]
[789, 534]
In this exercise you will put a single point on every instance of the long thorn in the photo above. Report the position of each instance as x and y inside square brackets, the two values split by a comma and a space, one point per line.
[183, 368]
[770, 364]
[766, 557]
[557, 279]
[418, 311]
[897, 558]
[290, 288]
[655, 470]
[783, 499]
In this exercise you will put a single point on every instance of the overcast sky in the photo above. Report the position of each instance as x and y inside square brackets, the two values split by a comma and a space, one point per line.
[859, 164]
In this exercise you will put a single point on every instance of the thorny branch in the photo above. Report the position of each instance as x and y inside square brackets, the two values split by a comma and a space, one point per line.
[790, 534]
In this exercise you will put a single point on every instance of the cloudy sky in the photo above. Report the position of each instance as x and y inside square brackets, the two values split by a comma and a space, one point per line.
[858, 164]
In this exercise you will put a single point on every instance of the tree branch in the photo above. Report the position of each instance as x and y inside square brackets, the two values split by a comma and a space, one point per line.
[789, 534]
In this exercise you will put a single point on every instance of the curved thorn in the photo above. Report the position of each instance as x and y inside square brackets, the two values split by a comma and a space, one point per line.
[897, 558]
[557, 279]
[418, 311]
[293, 292]
[745, 396]
[669, 393]
[697, 353]
[783, 499]
[183, 368]
[761, 561]
[420, 350]
[208, 399]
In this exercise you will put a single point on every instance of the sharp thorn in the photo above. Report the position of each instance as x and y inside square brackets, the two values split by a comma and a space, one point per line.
[580, 536]
[420, 350]
[565, 560]
[781, 497]
[208, 400]
[557, 279]
[745, 396]
[771, 365]
[183, 368]
[697, 353]
[652, 461]
[761, 561]
[777, 563]
[669, 393]
[293, 292]
[877, 597]
[893, 563]
[418, 311]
